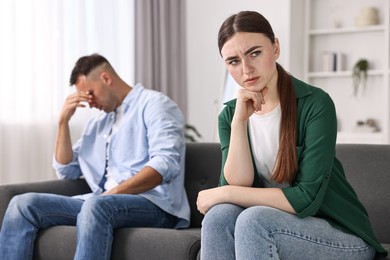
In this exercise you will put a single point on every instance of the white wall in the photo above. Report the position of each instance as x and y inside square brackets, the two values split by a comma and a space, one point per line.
[205, 68]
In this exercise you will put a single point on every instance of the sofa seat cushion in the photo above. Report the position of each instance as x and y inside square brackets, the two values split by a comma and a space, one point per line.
[387, 247]
[129, 243]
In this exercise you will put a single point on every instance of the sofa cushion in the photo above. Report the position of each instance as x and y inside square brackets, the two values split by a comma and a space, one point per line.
[57, 242]
[129, 243]
[387, 248]
[203, 167]
[367, 168]
[155, 243]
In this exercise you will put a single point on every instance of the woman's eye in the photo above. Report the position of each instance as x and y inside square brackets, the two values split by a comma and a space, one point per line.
[233, 62]
[255, 53]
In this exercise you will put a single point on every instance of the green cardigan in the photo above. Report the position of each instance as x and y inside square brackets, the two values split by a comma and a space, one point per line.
[320, 188]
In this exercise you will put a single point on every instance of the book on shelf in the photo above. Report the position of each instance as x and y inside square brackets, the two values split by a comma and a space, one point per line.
[332, 61]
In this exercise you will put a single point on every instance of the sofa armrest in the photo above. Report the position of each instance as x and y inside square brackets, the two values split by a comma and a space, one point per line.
[61, 187]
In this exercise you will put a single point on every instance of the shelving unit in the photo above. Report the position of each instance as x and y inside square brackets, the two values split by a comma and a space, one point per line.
[329, 27]
[369, 28]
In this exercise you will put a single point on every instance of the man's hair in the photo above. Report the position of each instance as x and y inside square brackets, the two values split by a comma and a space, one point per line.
[85, 65]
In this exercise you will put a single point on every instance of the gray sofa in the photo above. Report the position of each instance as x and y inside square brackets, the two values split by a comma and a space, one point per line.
[367, 168]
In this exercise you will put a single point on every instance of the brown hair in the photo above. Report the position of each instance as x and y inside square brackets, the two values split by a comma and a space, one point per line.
[85, 65]
[286, 161]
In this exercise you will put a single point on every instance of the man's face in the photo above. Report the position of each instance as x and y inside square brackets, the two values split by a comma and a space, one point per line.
[99, 90]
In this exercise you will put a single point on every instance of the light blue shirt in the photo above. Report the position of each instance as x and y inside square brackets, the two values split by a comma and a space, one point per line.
[151, 134]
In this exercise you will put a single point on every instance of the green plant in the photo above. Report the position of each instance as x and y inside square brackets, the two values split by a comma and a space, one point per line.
[191, 133]
[359, 75]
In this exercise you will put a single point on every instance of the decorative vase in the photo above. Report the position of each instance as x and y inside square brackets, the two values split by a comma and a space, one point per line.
[367, 16]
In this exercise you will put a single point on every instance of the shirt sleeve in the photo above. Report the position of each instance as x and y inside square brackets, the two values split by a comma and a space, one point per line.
[317, 131]
[165, 134]
[71, 170]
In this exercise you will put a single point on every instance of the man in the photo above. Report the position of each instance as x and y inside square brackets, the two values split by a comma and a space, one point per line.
[131, 156]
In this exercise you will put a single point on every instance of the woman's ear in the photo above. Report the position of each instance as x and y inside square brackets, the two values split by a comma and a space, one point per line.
[276, 48]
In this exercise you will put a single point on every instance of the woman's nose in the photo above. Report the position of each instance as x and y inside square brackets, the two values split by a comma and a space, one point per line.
[247, 67]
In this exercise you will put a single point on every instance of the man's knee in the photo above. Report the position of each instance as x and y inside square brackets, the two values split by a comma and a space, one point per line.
[95, 206]
[24, 201]
[23, 205]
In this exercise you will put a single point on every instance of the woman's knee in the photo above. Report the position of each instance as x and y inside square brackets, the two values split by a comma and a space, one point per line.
[259, 217]
[220, 221]
[218, 231]
[221, 214]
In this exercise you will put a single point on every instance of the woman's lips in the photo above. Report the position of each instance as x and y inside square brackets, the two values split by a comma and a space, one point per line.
[251, 80]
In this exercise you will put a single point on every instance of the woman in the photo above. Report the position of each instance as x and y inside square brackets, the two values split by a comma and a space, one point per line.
[282, 193]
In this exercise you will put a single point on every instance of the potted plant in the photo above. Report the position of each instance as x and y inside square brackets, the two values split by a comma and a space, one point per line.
[359, 75]
[191, 133]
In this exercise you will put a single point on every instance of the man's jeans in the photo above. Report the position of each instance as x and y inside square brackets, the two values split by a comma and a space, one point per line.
[232, 232]
[95, 218]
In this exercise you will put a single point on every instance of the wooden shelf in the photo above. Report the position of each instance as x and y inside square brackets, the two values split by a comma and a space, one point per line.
[338, 74]
[371, 28]
[362, 138]
[353, 42]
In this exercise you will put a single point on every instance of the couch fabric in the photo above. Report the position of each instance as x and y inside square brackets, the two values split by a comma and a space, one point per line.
[367, 168]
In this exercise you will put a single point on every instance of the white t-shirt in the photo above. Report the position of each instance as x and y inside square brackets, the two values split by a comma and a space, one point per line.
[264, 133]
[110, 182]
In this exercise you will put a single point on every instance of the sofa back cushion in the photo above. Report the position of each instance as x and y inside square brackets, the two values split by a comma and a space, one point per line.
[202, 169]
[367, 168]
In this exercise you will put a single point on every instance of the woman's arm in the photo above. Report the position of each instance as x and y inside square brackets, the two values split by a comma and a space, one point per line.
[244, 197]
[238, 168]
[316, 141]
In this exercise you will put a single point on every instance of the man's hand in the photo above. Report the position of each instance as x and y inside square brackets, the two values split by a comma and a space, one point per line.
[72, 102]
[146, 179]
[63, 149]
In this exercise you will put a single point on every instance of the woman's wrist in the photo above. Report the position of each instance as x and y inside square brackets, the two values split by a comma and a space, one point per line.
[237, 122]
[226, 194]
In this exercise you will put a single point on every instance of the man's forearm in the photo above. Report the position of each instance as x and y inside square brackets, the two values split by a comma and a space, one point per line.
[146, 179]
[63, 149]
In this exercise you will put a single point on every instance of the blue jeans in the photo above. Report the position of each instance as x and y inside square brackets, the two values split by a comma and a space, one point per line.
[95, 219]
[233, 232]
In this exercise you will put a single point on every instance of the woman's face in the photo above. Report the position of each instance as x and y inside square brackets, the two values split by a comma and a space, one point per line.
[251, 60]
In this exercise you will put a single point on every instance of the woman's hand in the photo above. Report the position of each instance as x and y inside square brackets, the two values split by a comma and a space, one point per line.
[210, 197]
[249, 102]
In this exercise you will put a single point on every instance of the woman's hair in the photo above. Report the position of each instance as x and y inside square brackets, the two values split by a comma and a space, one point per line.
[286, 161]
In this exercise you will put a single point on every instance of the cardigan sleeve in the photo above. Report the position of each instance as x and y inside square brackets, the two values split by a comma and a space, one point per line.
[317, 131]
[224, 128]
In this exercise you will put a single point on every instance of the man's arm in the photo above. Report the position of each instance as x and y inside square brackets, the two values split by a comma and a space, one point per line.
[63, 149]
[63, 144]
[165, 142]
[146, 179]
